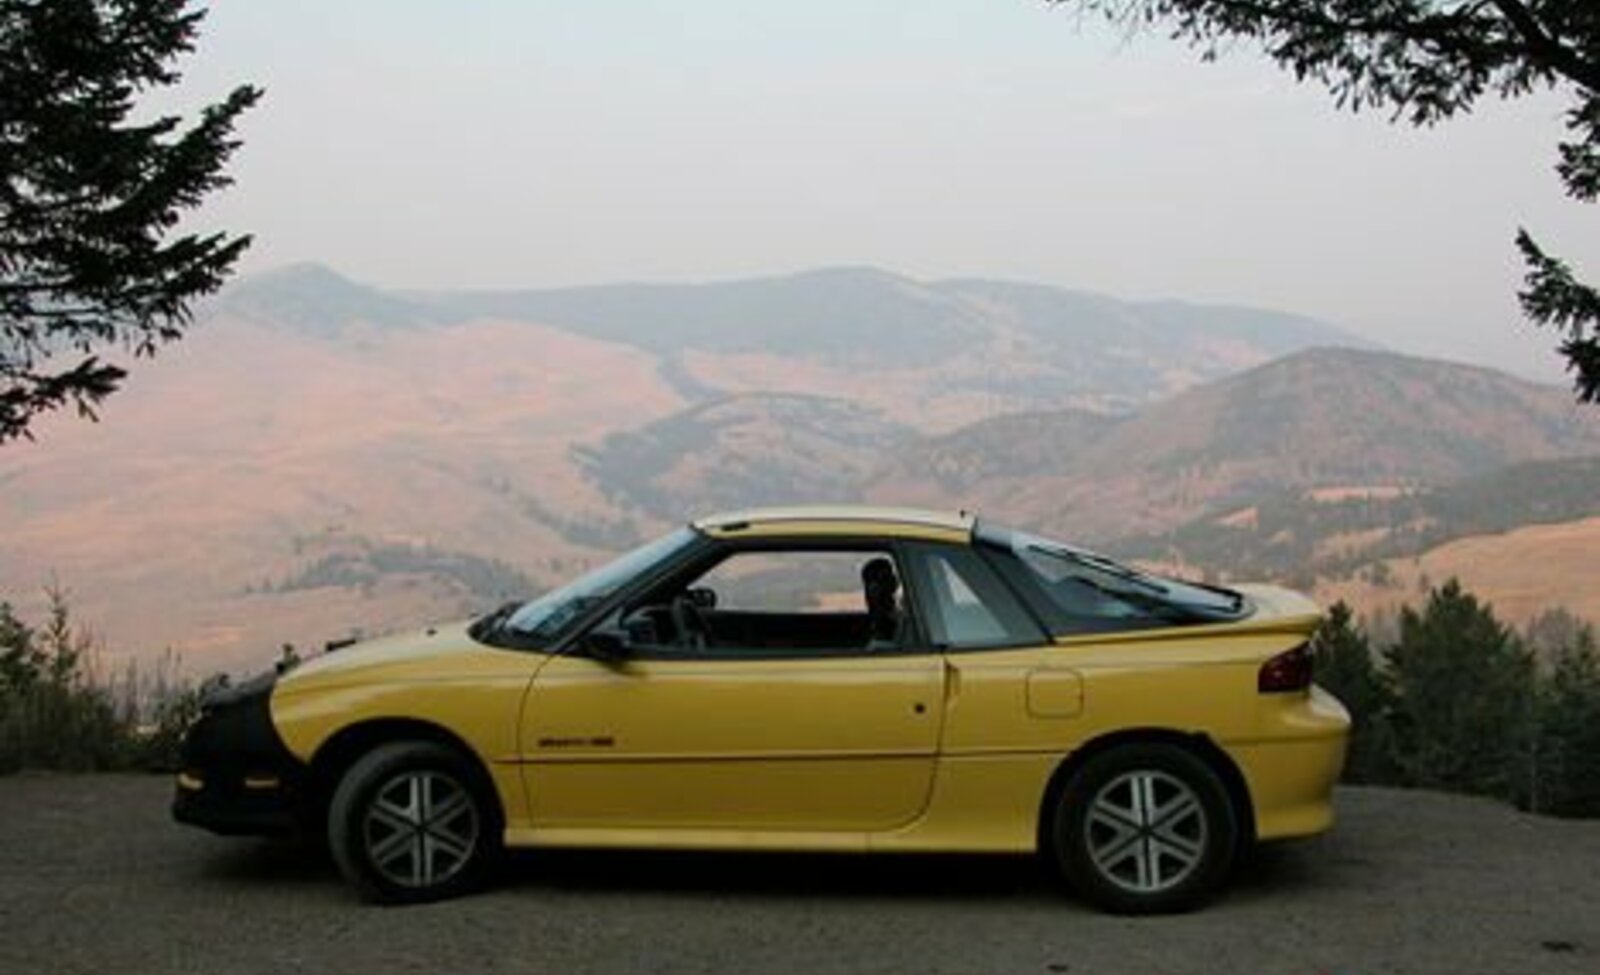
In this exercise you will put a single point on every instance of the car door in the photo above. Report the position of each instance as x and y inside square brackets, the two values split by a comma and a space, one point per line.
[792, 719]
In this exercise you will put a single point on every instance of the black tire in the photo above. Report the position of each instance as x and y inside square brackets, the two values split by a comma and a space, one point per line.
[1145, 829]
[413, 821]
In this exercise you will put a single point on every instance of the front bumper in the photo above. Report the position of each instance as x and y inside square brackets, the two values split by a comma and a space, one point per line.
[236, 805]
[238, 779]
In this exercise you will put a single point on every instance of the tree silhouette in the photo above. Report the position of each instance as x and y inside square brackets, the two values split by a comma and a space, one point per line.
[1426, 61]
[90, 198]
[1346, 668]
[1463, 709]
[1567, 779]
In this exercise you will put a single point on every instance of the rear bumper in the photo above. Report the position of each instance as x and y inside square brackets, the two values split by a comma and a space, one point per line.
[1292, 774]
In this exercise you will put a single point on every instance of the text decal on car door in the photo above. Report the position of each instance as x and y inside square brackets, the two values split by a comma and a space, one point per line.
[578, 741]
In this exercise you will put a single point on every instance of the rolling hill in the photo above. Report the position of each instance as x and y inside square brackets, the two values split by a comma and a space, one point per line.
[1521, 573]
[1302, 535]
[1319, 418]
[772, 448]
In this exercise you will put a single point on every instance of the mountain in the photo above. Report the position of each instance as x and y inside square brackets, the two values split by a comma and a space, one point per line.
[847, 315]
[1323, 417]
[259, 483]
[934, 354]
[870, 317]
[739, 450]
[318, 301]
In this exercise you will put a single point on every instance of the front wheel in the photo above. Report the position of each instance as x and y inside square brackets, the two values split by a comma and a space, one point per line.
[1145, 829]
[411, 822]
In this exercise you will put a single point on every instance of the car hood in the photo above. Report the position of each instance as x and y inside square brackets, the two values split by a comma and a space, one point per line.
[436, 653]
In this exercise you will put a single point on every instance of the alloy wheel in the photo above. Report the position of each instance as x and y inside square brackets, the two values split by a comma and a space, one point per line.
[420, 829]
[1146, 831]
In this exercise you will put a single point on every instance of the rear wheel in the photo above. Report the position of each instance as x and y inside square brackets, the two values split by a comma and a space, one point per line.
[411, 822]
[1145, 829]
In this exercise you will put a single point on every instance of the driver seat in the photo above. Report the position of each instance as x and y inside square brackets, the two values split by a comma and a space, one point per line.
[885, 618]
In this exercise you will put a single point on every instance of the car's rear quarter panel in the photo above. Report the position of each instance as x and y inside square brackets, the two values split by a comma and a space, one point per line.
[1288, 747]
[1014, 716]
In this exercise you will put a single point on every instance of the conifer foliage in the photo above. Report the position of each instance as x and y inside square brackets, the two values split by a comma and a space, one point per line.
[1461, 703]
[1345, 664]
[92, 260]
[1462, 712]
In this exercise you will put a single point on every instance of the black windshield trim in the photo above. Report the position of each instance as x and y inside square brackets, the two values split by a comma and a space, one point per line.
[489, 629]
[696, 549]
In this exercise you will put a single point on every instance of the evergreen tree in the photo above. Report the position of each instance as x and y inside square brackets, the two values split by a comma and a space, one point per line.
[1568, 746]
[21, 661]
[1429, 60]
[89, 197]
[1346, 669]
[1552, 631]
[1463, 712]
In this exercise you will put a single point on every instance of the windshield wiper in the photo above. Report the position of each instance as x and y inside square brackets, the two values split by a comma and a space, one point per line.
[1103, 564]
[559, 617]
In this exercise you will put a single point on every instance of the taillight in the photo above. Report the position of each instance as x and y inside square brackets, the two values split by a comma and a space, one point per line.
[1288, 671]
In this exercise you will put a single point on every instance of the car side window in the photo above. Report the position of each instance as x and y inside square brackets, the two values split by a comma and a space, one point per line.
[965, 604]
[788, 582]
[779, 602]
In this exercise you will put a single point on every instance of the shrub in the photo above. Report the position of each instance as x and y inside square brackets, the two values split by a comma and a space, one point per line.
[55, 712]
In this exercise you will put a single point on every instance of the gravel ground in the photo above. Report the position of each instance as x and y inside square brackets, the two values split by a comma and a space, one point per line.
[95, 878]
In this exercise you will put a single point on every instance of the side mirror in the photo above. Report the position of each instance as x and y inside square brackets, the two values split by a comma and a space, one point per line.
[702, 598]
[607, 646]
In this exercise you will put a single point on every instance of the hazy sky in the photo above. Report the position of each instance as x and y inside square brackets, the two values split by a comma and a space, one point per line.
[425, 143]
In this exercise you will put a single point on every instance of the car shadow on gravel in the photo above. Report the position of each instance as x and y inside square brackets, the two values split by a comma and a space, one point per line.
[778, 874]
[1268, 873]
[1272, 870]
[269, 862]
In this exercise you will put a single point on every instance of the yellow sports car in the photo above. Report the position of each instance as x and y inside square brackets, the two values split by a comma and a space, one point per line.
[843, 679]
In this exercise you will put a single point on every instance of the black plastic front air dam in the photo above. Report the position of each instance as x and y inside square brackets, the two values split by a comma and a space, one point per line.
[237, 776]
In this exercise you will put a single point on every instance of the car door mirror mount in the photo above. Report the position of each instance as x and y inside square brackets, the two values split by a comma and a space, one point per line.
[608, 646]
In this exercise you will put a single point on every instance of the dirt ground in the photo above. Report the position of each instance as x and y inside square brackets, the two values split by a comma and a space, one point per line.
[94, 877]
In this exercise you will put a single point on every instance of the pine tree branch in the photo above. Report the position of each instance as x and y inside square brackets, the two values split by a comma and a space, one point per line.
[1552, 52]
[1553, 297]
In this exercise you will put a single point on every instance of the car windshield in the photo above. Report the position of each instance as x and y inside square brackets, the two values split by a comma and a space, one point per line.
[1064, 568]
[545, 617]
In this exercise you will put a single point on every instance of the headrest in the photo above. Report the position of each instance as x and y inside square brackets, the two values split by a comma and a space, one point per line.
[878, 575]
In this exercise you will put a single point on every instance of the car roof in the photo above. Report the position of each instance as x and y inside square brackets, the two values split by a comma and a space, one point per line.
[840, 520]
